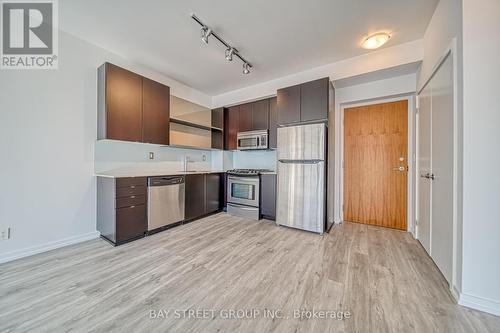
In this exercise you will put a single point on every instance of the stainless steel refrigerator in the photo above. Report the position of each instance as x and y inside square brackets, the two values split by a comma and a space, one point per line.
[301, 198]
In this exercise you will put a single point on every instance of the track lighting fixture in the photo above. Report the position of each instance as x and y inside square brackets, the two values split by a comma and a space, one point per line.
[230, 51]
[229, 54]
[205, 33]
[246, 70]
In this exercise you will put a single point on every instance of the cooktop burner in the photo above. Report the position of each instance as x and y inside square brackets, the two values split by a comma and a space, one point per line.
[247, 172]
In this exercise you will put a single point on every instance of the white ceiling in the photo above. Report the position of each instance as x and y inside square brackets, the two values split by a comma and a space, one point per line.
[278, 37]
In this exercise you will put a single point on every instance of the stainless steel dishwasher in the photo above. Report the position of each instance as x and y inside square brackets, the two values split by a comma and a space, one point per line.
[165, 201]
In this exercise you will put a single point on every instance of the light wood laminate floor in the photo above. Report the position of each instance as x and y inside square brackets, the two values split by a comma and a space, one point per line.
[382, 277]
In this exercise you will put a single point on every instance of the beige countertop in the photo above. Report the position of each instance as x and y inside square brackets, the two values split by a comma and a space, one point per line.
[139, 173]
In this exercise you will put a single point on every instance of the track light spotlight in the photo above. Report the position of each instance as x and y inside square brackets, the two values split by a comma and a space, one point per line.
[205, 33]
[229, 54]
[246, 68]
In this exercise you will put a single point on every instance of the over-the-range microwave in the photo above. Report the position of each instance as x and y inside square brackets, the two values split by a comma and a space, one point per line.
[253, 140]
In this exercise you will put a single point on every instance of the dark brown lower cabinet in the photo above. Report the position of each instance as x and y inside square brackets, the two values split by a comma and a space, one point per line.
[213, 192]
[122, 204]
[122, 208]
[131, 223]
[268, 196]
[203, 195]
[195, 197]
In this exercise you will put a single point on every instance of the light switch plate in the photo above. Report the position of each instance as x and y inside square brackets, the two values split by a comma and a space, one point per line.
[5, 234]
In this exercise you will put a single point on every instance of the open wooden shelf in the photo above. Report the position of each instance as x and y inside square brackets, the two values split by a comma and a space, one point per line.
[190, 124]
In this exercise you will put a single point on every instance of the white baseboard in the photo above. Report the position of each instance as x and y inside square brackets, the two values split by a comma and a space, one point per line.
[26, 252]
[479, 303]
[455, 293]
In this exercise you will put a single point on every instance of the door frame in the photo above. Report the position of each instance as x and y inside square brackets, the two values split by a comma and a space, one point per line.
[456, 277]
[411, 152]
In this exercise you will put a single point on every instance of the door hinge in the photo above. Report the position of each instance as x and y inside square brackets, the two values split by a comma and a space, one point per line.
[416, 222]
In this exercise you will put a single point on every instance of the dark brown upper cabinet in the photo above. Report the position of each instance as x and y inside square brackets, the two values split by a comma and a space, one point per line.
[217, 131]
[289, 105]
[245, 119]
[307, 102]
[314, 100]
[122, 101]
[260, 115]
[132, 107]
[232, 121]
[155, 112]
[273, 125]
[218, 118]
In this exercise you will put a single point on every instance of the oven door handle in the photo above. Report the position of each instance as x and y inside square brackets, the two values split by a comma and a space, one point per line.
[250, 181]
[242, 206]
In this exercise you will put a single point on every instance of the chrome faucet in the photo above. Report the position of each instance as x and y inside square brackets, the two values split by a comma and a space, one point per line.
[186, 161]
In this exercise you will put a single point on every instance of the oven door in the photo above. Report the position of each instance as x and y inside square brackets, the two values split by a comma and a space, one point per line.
[243, 190]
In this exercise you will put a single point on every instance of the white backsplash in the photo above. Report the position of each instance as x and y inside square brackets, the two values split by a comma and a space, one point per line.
[129, 156]
[260, 159]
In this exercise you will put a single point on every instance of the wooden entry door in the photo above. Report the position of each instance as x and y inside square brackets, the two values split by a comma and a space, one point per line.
[375, 164]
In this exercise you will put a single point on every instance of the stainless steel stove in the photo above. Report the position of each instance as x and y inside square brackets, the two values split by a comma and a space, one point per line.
[243, 192]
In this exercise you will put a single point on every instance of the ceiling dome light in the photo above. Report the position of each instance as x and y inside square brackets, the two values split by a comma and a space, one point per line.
[229, 54]
[205, 33]
[246, 69]
[375, 41]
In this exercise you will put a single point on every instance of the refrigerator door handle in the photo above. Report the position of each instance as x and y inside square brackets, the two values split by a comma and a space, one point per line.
[301, 161]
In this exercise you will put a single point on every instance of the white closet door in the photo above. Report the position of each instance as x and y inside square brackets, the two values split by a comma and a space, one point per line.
[424, 152]
[442, 168]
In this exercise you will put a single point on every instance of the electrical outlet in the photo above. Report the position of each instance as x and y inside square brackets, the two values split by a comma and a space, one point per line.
[151, 155]
[5, 234]
[204, 157]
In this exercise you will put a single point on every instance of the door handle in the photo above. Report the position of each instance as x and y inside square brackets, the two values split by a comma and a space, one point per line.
[400, 169]
[428, 175]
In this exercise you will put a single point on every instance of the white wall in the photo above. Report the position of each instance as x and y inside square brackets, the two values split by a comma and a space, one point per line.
[481, 152]
[444, 27]
[361, 93]
[376, 89]
[386, 58]
[473, 23]
[445, 24]
[47, 133]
